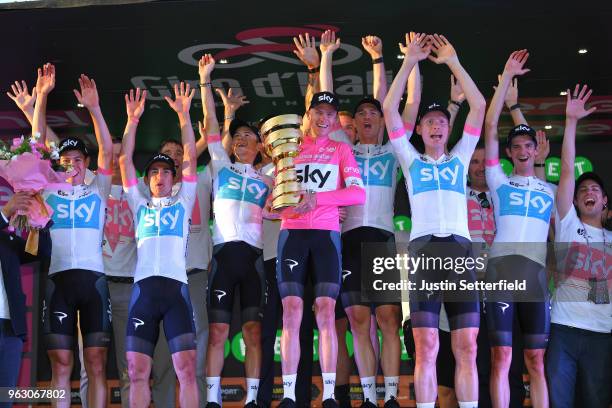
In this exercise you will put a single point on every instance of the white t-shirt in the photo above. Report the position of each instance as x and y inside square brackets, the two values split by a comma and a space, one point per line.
[119, 244]
[523, 207]
[199, 248]
[78, 225]
[436, 188]
[162, 230]
[579, 260]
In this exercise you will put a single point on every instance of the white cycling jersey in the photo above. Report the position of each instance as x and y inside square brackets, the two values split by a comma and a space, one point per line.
[523, 207]
[436, 188]
[378, 166]
[78, 224]
[119, 244]
[162, 230]
[239, 197]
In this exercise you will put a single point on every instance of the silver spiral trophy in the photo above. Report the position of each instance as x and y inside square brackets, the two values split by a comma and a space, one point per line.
[282, 136]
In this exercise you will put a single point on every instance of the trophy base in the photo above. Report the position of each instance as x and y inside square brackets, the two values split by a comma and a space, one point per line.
[285, 201]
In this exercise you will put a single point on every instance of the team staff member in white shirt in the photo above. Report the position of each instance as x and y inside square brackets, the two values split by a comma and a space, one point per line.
[579, 354]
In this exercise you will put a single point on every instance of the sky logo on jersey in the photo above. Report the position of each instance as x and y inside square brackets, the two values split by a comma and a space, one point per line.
[317, 177]
[521, 202]
[233, 186]
[81, 213]
[167, 221]
[376, 171]
[444, 176]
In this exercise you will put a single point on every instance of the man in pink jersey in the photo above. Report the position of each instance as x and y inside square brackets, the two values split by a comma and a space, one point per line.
[309, 242]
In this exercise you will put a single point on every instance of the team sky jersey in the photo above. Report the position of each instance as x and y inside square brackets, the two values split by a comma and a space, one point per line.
[325, 166]
[436, 188]
[78, 224]
[119, 244]
[239, 194]
[199, 246]
[162, 230]
[523, 207]
[378, 167]
[571, 306]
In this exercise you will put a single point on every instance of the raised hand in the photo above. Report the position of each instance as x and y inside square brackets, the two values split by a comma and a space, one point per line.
[576, 101]
[456, 92]
[21, 96]
[515, 63]
[306, 50]
[46, 79]
[135, 103]
[417, 46]
[373, 45]
[442, 48]
[205, 67]
[543, 149]
[232, 101]
[183, 95]
[88, 96]
[329, 43]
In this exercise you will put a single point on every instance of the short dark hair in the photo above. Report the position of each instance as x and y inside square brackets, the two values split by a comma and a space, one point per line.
[169, 141]
[345, 113]
[589, 175]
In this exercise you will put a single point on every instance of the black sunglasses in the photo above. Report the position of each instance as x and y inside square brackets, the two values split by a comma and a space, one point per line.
[483, 200]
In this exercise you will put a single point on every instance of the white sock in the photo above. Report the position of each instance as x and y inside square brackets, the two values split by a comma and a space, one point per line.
[252, 387]
[426, 404]
[213, 389]
[289, 386]
[391, 384]
[368, 385]
[329, 384]
[468, 404]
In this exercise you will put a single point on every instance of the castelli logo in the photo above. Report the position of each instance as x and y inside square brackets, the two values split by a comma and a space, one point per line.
[523, 128]
[254, 46]
[433, 105]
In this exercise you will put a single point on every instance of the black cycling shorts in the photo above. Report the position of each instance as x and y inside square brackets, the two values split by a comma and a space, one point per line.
[301, 251]
[533, 316]
[236, 264]
[352, 268]
[462, 306]
[159, 299]
[71, 292]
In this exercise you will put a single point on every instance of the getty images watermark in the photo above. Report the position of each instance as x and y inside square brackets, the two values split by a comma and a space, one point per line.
[450, 271]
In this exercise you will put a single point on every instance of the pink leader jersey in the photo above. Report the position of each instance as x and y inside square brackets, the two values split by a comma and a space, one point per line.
[328, 168]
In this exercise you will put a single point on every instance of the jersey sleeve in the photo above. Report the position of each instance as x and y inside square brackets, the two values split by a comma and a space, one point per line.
[565, 225]
[187, 193]
[103, 181]
[133, 194]
[354, 192]
[403, 149]
[217, 152]
[494, 174]
[205, 178]
[464, 149]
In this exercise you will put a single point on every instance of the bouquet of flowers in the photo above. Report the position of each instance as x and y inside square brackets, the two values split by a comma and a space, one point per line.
[26, 166]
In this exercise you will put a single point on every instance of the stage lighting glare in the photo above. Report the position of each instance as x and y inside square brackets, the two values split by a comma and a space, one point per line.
[223, 61]
[548, 127]
[563, 93]
[400, 56]
[583, 51]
